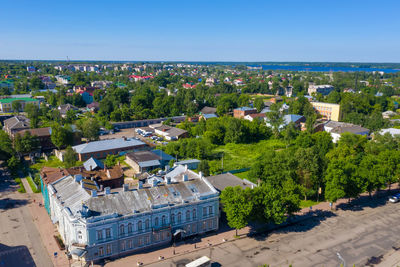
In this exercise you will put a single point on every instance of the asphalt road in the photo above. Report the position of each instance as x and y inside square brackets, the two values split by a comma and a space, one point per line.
[20, 242]
[362, 237]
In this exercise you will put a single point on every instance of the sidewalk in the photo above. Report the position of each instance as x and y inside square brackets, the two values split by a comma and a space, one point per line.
[47, 230]
[28, 188]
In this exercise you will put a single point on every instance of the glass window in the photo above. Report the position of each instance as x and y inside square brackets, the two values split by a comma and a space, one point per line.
[121, 229]
[210, 224]
[129, 227]
[172, 218]
[108, 251]
[194, 214]
[179, 217]
[187, 215]
[139, 226]
[147, 224]
[140, 241]
[99, 235]
[204, 211]
[156, 222]
[210, 210]
[163, 220]
[130, 244]
[108, 233]
[101, 251]
[123, 245]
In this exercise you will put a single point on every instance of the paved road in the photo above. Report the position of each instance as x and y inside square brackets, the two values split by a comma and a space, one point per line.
[362, 237]
[17, 228]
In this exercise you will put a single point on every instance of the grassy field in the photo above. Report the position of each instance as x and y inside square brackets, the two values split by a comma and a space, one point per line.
[238, 156]
[52, 162]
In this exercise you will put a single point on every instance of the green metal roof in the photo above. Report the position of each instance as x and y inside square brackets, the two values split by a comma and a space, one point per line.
[25, 99]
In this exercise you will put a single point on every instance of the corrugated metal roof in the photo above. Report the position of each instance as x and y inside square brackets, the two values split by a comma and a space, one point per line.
[149, 163]
[106, 145]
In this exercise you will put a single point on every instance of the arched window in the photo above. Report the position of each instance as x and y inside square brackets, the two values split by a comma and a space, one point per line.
[187, 215]
[147, 224]
[194, 214]
[156, 222]
[172, 218]
[121, 229]
[139, 225]
[179, 217]
[163, 220]
[129, 227]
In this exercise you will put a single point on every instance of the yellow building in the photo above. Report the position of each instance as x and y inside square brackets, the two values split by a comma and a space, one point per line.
[327, 110]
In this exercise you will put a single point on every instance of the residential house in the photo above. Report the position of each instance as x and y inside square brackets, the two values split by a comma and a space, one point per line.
[97, 225]
[145, 161]
[112, 177]
[63, 79]
[49, 175]
[392, 131]
[336, 129]
[222, 181]
[64, 109]
[241, 112]
[44, 136]
[208, 110]
[16, 124]
[255, 116]
[168, 132]
[100, 149]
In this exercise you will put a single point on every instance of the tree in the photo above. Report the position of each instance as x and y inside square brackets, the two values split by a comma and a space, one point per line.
[6, 149]
[204, 167]
[259, 104]
[33, 114]
[275, 118]
[16, 106]
[13, 164]
[69, 157]
[59, 135]
[90, 129]
[237, 206]
[26, 143]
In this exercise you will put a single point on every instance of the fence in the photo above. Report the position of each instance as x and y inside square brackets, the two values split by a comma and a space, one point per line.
[31, 182]
[238, 170]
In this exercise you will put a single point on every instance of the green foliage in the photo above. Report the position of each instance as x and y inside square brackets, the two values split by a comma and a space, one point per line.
[204, 167]
[6, 148]
[275, 118]
[21, 188]
[259, 104]
[61, 136]
[26, 143]
[111, 160]
[33, 185]
[90, 128]
[69, 157]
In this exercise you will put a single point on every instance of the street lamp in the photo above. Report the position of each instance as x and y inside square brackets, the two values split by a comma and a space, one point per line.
[341, 258]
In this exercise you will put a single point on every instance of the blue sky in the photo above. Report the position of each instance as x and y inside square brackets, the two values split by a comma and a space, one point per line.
[218, 30]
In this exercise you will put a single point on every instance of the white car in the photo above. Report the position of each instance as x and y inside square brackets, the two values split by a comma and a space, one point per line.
[395, 198]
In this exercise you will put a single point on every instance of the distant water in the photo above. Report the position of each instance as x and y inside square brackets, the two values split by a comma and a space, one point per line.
[323, 69]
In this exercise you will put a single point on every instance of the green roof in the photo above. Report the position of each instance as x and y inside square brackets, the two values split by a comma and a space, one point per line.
[25, 99]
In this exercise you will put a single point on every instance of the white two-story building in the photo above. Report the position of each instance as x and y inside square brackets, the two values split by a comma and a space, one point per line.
[96, 225]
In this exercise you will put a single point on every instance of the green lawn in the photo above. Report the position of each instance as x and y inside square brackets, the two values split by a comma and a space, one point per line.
[52, 162]
[307, 203]
[238, 156]
[242, 175]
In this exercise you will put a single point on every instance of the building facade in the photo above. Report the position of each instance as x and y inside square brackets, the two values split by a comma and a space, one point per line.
[96, 227]
[240, 113]
[320, 89]
[6, 103]
[328, 111]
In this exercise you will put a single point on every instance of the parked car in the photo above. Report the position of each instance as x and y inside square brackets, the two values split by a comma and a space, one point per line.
[116, 130]
[395, 198]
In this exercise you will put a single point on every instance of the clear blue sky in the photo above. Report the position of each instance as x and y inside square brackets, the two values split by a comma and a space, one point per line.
[191, 30]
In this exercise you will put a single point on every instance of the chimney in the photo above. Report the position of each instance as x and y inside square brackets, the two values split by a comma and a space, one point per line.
[91, 168]
[186, 167]
[126, 187]
[201, 174]
[108, 190]
[168, 180]
[108, 174]
[101, 187]
[94, 193]
[154, 182]
[185, 177]
[92, 178]
[140, 185]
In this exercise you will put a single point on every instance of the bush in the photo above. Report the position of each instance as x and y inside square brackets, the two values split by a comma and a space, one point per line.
[33, 185]
[21, 188]
[59, 242]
